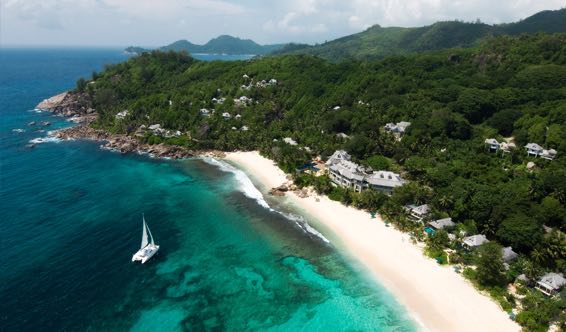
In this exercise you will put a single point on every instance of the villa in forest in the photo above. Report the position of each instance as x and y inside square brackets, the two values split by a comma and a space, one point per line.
[441, 223]
[417, 213]
[474, 241]
[551, 283]
[533, 149]
[346, 173]
[508, 255]
[397, 129]
[494, 146]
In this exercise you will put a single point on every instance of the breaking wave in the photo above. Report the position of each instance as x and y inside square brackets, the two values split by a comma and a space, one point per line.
[245, 184]
[47, 139]
[247, 187]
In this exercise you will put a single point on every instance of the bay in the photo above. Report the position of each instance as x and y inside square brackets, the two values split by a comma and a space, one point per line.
[71, 219]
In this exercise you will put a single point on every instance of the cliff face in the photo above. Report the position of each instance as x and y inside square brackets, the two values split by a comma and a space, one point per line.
[68, 104]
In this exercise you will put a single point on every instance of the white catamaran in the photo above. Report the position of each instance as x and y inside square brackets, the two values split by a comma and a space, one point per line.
[148, 248]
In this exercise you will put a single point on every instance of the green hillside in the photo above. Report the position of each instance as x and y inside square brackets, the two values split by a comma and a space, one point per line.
[507, 88]
[378, 42]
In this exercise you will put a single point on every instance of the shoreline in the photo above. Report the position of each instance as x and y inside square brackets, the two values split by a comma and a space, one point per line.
[435, 296]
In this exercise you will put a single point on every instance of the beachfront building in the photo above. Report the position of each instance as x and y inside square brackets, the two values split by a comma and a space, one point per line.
[551, 283]
[346, 173]
[384, 181]
[474, 241]
[417, 213]
[441, 224]
[397, 129]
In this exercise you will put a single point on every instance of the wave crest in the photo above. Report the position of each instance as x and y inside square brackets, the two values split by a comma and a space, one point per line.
[246, 185]
[248, 188]
[47, 139]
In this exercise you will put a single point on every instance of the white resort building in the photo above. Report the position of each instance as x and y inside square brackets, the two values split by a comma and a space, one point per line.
[398, 129]
[417, 213]
[474, 241]
[551, 283]
[441, 223]
[346, 173]
[494, 146]
[533, 149]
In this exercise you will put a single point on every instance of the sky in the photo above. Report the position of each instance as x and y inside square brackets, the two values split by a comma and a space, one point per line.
[160, 22]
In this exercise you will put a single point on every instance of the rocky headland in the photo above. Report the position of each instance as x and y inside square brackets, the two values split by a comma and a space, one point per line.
[72, 105]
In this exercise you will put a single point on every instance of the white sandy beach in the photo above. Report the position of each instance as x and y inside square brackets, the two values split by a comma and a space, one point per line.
[437, 297]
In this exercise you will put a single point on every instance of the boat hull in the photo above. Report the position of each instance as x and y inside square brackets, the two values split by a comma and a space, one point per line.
[144, 254]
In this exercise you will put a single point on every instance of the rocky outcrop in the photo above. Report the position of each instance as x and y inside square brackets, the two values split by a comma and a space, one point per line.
[122, 143]
[50, 103]
[75, 106]
[70, 104]
[279, 191]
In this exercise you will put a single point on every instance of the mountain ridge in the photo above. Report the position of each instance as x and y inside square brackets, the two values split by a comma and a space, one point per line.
[223, 44]
[378, 42]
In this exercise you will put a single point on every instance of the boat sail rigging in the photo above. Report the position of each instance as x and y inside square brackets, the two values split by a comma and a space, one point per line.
[148, 247]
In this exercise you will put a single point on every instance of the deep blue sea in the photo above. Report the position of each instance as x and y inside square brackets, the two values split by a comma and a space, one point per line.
[71, 220]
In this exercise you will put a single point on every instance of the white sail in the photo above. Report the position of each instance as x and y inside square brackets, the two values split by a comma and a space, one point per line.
[144, 235]
[150, 236]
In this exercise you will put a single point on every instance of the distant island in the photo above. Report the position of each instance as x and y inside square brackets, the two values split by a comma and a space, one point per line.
[378, 42]
[221, 45]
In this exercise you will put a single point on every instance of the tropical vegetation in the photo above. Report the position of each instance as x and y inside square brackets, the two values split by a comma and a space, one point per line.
[509, 88]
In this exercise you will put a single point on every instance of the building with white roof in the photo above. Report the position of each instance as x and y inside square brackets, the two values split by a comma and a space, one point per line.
[418, 213]
[551, 283]
[397, 128]
[346, 173]
[474, 241]
[441, 223]
[492, 144]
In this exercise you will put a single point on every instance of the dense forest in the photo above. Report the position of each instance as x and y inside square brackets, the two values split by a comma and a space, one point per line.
[378, 42]
[508, 88]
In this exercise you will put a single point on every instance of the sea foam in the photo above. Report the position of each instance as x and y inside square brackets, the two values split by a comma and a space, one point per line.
[245, 184]
[247, 187]
[47, 139]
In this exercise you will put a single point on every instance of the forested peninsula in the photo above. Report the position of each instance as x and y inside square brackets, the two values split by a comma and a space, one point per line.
[294, 108]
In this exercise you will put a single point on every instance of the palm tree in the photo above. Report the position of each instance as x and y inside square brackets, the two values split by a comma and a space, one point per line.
[538, 256]
[445, 202]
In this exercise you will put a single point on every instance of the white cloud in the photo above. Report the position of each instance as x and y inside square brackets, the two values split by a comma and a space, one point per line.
[157, 22]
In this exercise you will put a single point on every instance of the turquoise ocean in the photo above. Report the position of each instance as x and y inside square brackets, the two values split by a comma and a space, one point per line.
[71, 220]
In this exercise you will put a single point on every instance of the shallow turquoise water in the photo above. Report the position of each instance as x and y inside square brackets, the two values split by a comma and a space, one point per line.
[72, 219]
